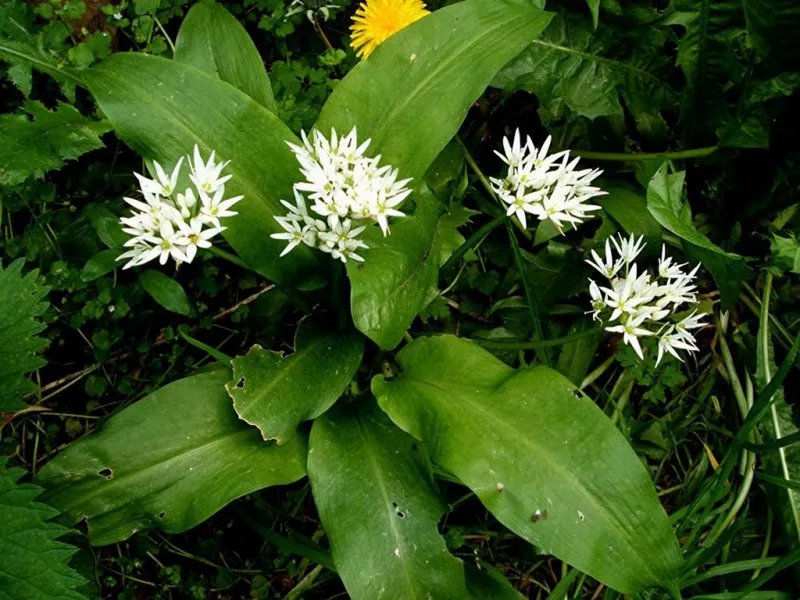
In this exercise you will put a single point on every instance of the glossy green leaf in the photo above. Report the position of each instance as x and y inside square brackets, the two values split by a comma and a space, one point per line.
[488, 583]
[107, 226]
[526, 442]
[576, 357]
[166, 291]
[373, 489]
[400, 273]
[666, 203]
[628, 208]
[161, 108]
[169, 461]
[101, 264]
[276, 393]
[213, 40]
[414, 92]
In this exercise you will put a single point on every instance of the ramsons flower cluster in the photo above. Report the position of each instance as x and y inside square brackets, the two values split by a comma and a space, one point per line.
[346, 190]
[547, 186]
[172, 224]
[638, 305]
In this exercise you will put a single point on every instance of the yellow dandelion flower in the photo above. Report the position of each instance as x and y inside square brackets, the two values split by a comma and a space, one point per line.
[376, 21]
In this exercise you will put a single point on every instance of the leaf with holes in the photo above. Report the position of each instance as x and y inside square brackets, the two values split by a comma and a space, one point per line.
[541, 457]
[168, 462]
[276, 393]
[373, 489]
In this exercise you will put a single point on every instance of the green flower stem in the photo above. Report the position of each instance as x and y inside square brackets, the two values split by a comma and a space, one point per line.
[624, 156]
[592, 377]
[488, 187]
[166, 35]
[499, 345]
[232, 258]
[474, 240]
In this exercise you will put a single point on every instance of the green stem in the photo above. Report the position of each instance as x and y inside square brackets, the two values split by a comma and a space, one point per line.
[488, 186]
[166, 36]
[592, 377]
[232, 258]
[625, 156]
[533, 308]
[474, 240]
[305, 584]
[498, 345]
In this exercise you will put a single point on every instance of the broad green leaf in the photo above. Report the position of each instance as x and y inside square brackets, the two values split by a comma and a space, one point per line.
[33, 563]
[373, 489]
[526, 442]
[276, 393]
[759, 16]
[32, 147]
[107, 226]
[213, 40]
[567, 66]
[161, 108]
[166, 291]
[629, 209]
[101, 264]
[400, 273]
[169, 461]
[487, 583]
[22, 302]
[414, 92]
[665, 202]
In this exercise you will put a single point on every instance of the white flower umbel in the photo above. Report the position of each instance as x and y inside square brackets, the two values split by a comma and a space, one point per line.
[544, 185]
[170, 224]
[638, 305]
[346, 191]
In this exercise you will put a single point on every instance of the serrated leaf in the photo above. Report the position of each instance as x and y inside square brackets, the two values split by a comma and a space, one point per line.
[169, 461]
[33, 54]
[30, 148]
[521, 440]
[276, 393]
[400, 273]
[166, 291]
[567, 66]
[412, 94]
[213, 40]
[374, 492]
[22, 302]
[33, 563]
[666, 203]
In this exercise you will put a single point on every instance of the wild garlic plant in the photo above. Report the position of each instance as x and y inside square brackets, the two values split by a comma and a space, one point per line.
[546, 186]
[349, 190]
[637, 304]
[172, 224]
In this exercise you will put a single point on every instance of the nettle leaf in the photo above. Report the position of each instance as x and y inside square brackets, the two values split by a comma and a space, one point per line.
[33, 563]
[276, 393]
[666, 203]
[161, 108]
[373, 489]
[22, 302]
[213, 40]
[169, 462]
[400, 273]
[414, 92]
[34, 52]
[568, 66]
[525, 441]
[32, 147]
